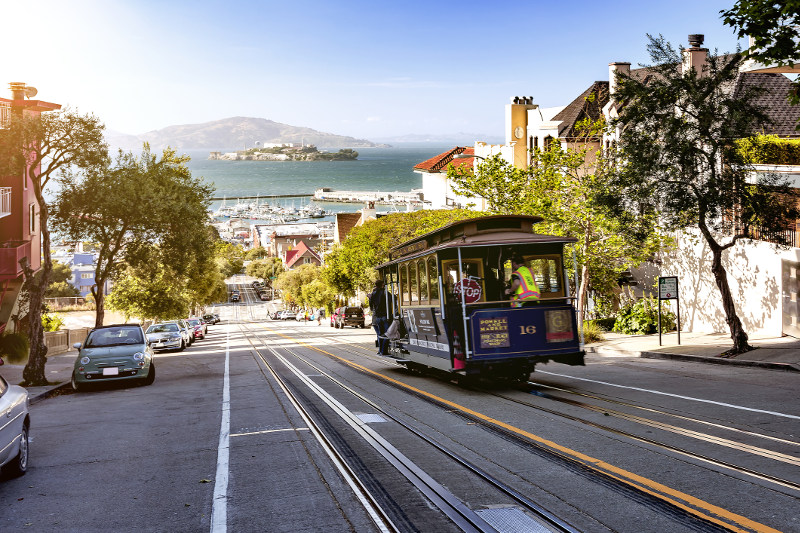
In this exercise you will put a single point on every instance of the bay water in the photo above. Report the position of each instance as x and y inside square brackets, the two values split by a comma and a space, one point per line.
[376, 169]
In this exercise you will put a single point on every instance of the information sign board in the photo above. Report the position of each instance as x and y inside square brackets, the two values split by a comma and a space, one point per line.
[668, 288]
[493, 332]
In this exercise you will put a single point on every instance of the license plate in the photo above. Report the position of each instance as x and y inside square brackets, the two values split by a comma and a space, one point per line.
[111, 371]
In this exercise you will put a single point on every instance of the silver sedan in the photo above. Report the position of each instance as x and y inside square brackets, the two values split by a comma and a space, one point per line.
[14, 425]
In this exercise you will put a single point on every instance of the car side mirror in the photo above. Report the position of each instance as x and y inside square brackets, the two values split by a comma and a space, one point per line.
[77, 346]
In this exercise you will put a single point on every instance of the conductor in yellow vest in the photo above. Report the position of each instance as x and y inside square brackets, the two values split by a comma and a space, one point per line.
[523, 285]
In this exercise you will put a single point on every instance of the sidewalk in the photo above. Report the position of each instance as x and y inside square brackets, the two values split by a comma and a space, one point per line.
[782, 353]
[58, 371]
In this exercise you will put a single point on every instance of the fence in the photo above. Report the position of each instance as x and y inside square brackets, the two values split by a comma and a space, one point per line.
[54, 304]
[62, 340]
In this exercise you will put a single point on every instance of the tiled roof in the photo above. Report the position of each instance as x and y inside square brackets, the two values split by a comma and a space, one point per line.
[773, 102]
[580, 109]
[439, 163]
[344, 223]
[301, 250]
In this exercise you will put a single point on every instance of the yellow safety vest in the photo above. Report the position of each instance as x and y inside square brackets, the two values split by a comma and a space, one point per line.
[527, 290]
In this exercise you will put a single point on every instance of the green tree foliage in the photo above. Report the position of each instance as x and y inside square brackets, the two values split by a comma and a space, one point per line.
[564, 187]
[676, 139]
[292, 282]
[769, 150]
[259, 252]
[229, 258]
[43, 147]
[137, 201]
[641, 317]
[317, 294]
[59, 286]
[149, 291]
[350, 266]
[265, 269]
[775, 30]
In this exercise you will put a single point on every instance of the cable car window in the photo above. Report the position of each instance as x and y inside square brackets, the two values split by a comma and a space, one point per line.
[547, 272]
[413, 284]
[404, 282]
[423, 280]
[433, 276]
[469, 277]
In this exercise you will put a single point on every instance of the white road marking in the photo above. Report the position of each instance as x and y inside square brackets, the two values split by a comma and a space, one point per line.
[266, 431]
[219, 510]
[723, 404]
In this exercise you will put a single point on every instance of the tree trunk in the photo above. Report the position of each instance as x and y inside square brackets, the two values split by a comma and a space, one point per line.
[99, 303]
[738, 335]
[33, 373]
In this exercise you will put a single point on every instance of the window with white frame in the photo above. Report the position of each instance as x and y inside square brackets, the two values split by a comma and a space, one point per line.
[32, 218]
[87, 275]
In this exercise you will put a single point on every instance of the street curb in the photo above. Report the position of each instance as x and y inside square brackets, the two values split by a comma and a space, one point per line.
[49, 393]
[786, 367]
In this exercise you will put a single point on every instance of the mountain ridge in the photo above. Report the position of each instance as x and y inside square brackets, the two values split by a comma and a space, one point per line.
[233, 132]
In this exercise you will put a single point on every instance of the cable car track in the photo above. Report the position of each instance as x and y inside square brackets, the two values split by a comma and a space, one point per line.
[348, 345]
[461, 515]
[674, 510]
[742, 447]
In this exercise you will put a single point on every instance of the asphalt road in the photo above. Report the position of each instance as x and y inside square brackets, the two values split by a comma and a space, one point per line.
[265, 425]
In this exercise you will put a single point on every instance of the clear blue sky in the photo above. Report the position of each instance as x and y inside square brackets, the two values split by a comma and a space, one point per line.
[367, 69]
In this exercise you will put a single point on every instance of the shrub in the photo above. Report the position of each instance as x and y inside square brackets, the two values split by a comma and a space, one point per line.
[592, 332]
[604, 324]
[52, 322]
[641, 318]
[769, 150]
[14, 348]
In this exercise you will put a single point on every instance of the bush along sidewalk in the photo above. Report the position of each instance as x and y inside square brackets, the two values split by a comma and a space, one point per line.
[641, 318]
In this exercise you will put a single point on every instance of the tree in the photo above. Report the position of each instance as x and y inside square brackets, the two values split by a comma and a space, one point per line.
[350, 266]
[42, 147]
[265, 269]
[291, 283]
[259, 252]
[677, 141]
[59, 286]
[775, 30]
[136, 201]
[565, 187]
[230, 258]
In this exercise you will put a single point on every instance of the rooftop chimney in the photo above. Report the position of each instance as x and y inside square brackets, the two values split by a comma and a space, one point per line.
[618, 67]
[695, 57]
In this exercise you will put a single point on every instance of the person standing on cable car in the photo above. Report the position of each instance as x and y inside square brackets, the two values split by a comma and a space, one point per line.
[523, 285]
[380, 316]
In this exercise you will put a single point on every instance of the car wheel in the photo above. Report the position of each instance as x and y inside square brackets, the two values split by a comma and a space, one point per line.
[75, 385]
[183, 346]
[19, 465]
[151, 375]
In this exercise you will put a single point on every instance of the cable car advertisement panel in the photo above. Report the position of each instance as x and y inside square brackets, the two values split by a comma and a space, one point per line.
[525, 330]
[426, 330]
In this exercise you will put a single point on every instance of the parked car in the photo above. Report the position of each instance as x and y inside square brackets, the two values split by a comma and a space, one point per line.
[186, 330]
[288, 315]
[114, 353]
[216, 317]
[350, 316]
[210, 319]
[199, 327]
[235, 296]
[165, 336]
[264, 296]
[14, 441]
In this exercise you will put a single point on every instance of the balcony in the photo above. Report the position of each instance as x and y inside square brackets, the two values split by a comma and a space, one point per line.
[5, 201]
[11, 252]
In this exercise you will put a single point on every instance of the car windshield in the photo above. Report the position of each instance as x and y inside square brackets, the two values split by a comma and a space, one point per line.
[114, 336]
[194, 322]
[353, 310]
[162, 328]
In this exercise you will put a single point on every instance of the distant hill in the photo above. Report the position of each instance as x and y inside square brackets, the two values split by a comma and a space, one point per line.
[460, 139]
[232, 133]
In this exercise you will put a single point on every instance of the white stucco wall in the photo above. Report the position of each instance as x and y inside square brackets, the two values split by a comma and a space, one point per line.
[754, 275]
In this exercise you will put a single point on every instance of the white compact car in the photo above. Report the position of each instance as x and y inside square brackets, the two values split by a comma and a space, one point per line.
[14, 425]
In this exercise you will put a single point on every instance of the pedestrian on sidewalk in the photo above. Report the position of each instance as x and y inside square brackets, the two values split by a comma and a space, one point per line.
[320, 315]
[380, 316]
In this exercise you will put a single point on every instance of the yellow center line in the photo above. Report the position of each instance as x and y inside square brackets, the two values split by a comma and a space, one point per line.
[690, 504]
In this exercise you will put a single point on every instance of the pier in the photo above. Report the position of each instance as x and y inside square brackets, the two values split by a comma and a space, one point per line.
[261, 197]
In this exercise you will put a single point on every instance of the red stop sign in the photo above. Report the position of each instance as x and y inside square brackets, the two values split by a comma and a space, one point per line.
[471, 289]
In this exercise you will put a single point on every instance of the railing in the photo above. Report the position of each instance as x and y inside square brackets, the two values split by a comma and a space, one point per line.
[10, 254]
[785, 236]
[5, 201]
[62, 340]
[60, 302]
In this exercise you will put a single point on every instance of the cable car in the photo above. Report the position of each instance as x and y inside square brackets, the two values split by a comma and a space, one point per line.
[449, 299]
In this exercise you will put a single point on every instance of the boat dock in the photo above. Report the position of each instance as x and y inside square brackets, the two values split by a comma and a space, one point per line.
[326, 194]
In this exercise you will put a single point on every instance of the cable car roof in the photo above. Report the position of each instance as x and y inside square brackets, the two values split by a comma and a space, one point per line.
[495, 230]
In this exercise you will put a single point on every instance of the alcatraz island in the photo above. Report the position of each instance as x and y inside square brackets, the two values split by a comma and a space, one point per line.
[286, 152]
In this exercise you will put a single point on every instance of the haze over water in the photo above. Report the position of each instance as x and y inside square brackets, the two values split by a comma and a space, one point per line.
[376, 169]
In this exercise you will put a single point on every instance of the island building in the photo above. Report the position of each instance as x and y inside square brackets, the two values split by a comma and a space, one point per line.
[764, 276]
[20, 235]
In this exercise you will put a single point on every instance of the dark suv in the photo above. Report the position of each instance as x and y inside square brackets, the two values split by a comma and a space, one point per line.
[349, 316]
